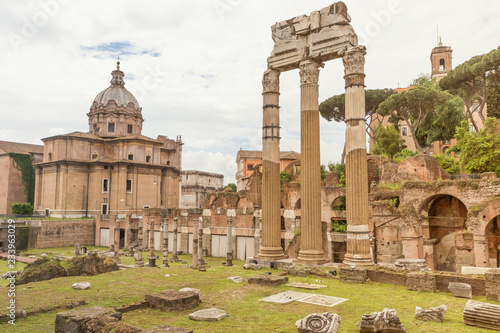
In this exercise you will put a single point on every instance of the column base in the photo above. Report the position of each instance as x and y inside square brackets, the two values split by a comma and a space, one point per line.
[312, 257]
[358, 260]
[271, 253]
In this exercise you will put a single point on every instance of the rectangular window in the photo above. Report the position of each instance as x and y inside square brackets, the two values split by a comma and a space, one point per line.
[404, 131]
[130, 128]
[105, 185]
[130, 157]
[250, 167]
[111, 127]
[129, 185]
[148, 159]
[104, 210]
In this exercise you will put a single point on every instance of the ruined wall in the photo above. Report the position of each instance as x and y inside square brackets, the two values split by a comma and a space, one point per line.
[47, 234]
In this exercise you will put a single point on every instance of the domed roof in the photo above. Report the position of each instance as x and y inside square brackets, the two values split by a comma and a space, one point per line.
[116, 91]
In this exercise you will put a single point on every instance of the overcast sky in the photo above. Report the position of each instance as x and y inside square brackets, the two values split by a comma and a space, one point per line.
[196, 66]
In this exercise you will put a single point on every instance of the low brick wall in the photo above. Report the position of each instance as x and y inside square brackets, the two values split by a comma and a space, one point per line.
[63, 233]
[387, 277]
[421, 282]
[353, 275]
[492, 285]
[477, 284]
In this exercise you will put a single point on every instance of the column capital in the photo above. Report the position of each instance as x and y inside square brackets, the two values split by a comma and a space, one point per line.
[309, 71]
[354, 60]
[271, 81]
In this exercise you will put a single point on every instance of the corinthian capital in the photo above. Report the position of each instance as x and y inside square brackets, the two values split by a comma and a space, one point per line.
[271, 81]
[309, 72]
[354, 60]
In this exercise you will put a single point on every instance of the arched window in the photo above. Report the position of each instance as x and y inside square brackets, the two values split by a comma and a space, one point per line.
[441, 65]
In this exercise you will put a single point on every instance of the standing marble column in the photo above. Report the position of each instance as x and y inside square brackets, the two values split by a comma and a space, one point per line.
[271, 207]
[174, 245]
[139, 262]
[116, 246]
[165, 243]
[200, 241]
[358, 232]
[311, 241]
[195, 243]
[229, 252]
[152, 257]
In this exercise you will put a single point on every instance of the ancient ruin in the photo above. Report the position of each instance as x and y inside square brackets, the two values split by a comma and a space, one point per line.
[327, 322]
[305, 43]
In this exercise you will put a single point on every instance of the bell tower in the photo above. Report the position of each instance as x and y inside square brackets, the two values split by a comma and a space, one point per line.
[441, 61]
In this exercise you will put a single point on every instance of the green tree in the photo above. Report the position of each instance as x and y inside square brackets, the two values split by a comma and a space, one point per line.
[421, 108]
[388, 141]
[339, 169]
[448, 163]
[476, 81]
[21, 208]
[333, 108]
[479, 151]
[232, 186]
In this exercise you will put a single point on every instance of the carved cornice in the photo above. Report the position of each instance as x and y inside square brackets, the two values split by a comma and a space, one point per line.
[354, 60]
[271, 81]
[309, 72]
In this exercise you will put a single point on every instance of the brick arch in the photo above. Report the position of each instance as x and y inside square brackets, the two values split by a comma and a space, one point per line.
[491, 211]
[424, 204]
[335, 201]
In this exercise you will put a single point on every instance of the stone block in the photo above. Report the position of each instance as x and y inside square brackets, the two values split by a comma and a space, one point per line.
[252, 266]
[492, 285]
[212, 314]
[353, 275]
[268, 280]
[474, 270]
[460, 289]
[197, 291]
[74, 321]
[327, 322]
[173, 300]
[236, 279]
[432, 314]
[285, 297]
[412, 265]
[299, 271]
[421, 282]
[81, 285]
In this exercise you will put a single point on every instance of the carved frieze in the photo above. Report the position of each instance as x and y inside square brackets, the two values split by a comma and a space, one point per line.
[271, 81]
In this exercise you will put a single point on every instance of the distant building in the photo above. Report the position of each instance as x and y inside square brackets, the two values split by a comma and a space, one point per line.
[247, 160]
[197, 185]
[11, 185]
[112, 169]
[441, 61]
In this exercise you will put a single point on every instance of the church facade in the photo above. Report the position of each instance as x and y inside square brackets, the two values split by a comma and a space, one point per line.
[113, 168]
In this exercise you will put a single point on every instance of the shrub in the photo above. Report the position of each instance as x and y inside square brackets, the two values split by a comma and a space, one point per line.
[21, 208]
[404, 154]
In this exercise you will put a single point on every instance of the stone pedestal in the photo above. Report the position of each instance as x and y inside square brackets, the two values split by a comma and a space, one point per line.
[173, 300]
[271, 203]
[311, 241]
[358, 232]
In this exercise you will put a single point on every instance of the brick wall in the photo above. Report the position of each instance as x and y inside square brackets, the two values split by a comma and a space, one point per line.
[64, 233]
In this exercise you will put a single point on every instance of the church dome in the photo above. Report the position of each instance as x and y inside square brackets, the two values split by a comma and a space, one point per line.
[115, 112]
[116, 92]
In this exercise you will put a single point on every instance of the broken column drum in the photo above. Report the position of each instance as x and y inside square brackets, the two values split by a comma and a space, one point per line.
[305, 43]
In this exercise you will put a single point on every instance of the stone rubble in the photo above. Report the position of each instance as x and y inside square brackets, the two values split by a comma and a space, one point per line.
[327, 322]
[432, 314]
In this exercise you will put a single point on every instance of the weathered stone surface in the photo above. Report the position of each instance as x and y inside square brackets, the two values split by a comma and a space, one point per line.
[421, 168]
[252, 266]
[327, 322]
[212, 314]
[482, 315]
[353, 275]
[285, 297]
[299, 271]
[91, 265]
[173, 300]
[460, 289]
[237, 279]
[474, 270]
[492, 285]
[421, 282]
[10, 274]
[81, 285]
[167, 329]
[322, 300]
[132, 307]
[413, 265]
[308, 286]
[432, 314]
[268, 280]
[197, 291]
[41, 270]
[75, 321]
[386, 321]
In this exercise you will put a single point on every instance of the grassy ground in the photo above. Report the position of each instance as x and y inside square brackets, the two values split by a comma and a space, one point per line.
[241, 301]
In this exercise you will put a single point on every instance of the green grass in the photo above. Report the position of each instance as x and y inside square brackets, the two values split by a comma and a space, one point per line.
[241, 301]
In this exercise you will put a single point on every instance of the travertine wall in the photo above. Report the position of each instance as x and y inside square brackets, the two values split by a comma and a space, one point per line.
[48, 233]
